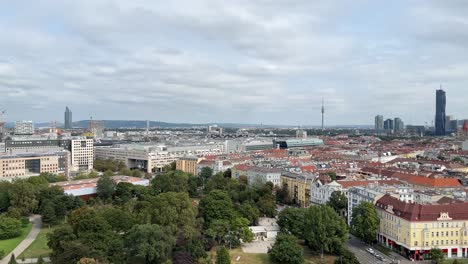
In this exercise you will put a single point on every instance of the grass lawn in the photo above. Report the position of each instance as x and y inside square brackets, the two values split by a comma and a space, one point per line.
[461, 261]
[39, 246]
[10, 244]
[249, 258]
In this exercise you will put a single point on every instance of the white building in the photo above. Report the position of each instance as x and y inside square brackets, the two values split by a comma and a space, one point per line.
[321, 193]
[154, 157]
[373, 192]
[24, 127]
[82, 154]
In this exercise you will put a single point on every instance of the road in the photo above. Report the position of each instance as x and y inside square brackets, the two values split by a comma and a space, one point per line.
[359, 249]
[37, 224]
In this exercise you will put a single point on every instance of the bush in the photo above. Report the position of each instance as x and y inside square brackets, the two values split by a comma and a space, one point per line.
[24, 221]
[347, 257]
[9, 227]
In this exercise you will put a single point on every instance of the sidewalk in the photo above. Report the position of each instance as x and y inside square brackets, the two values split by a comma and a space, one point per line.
[37, 224]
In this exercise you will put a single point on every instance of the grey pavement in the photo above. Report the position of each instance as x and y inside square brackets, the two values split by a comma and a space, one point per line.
[359, 249]
[23, 245]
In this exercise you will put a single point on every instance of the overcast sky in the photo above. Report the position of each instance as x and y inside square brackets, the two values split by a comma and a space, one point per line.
[262, 61]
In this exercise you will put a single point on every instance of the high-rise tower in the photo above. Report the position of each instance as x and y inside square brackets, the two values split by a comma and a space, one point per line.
[323, 114]
[379, 123]
[68, 118]
[440, 128]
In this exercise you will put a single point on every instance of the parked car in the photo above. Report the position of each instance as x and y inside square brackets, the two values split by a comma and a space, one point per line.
[370, 250]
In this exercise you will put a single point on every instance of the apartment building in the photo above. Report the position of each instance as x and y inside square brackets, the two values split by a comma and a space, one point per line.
[413, 229]
[188, 164]
[298, 186]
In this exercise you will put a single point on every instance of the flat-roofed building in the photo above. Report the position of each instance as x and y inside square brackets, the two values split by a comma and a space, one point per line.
[27, 165]
[299, 186]
[88, 188]
[188, 164]
[297, 143]
[154, 157]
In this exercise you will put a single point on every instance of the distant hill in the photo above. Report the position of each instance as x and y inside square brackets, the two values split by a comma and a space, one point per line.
[113, 124]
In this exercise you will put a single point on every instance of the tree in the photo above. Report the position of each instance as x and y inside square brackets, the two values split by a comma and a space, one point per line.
[222, 256]
[347, 257]
[339, 202]
[137, 173]
[332, 175]
[151, 243]
[206, 173]
[23, 197]
[436, 255]
[292, 221]
[48, 213]
[324, 231]
[9, 227]
[249, 211]
[119, 220]
[4, 196]
[172, 181]
[12, 259]
[105, 187]
[458, 159]
[217, 205]
[174, 210]
[282, 195]
[267, 205]
[365, 222]
[286, 250]
[87, 261]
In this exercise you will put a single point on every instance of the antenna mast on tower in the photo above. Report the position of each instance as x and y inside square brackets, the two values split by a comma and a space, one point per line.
[323, 114]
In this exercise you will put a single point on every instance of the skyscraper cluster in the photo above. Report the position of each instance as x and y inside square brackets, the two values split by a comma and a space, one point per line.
[389, 125]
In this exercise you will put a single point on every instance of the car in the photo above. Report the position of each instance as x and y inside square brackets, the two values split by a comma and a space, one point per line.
[380, 258]
[370, 250]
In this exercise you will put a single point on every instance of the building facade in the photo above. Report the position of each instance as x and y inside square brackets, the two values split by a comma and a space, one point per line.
[68, 119]
[398, 125]
[154, 157]
[27, 165]
[379, 123]
[82, 154]
[299, 186]
[414, 229]
[440, 116]
[388, 124]
[188, 165]
[24, 128]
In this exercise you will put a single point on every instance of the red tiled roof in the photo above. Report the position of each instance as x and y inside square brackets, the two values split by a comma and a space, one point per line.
[242, 167]
[309, 168]
[422, 212]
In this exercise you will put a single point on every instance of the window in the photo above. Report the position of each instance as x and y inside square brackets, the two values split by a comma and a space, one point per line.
[432, 242]
[432, 234]
[441, 242]
[415, 243]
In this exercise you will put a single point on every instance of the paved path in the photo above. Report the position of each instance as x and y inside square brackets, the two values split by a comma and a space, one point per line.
[32, 260]
[37, 224]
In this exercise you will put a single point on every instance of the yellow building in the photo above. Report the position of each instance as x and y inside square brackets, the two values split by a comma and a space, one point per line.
[188, 164]
[413, 229]
[298, 186]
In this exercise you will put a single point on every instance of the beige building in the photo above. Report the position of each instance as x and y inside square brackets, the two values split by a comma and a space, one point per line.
[27, 165]
[188, 164]
[298, 186]
[414, 229]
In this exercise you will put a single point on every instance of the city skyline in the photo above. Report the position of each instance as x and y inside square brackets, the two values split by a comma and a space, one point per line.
[239, 62]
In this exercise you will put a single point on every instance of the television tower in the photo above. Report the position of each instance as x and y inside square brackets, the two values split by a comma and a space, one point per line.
[323, 114]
